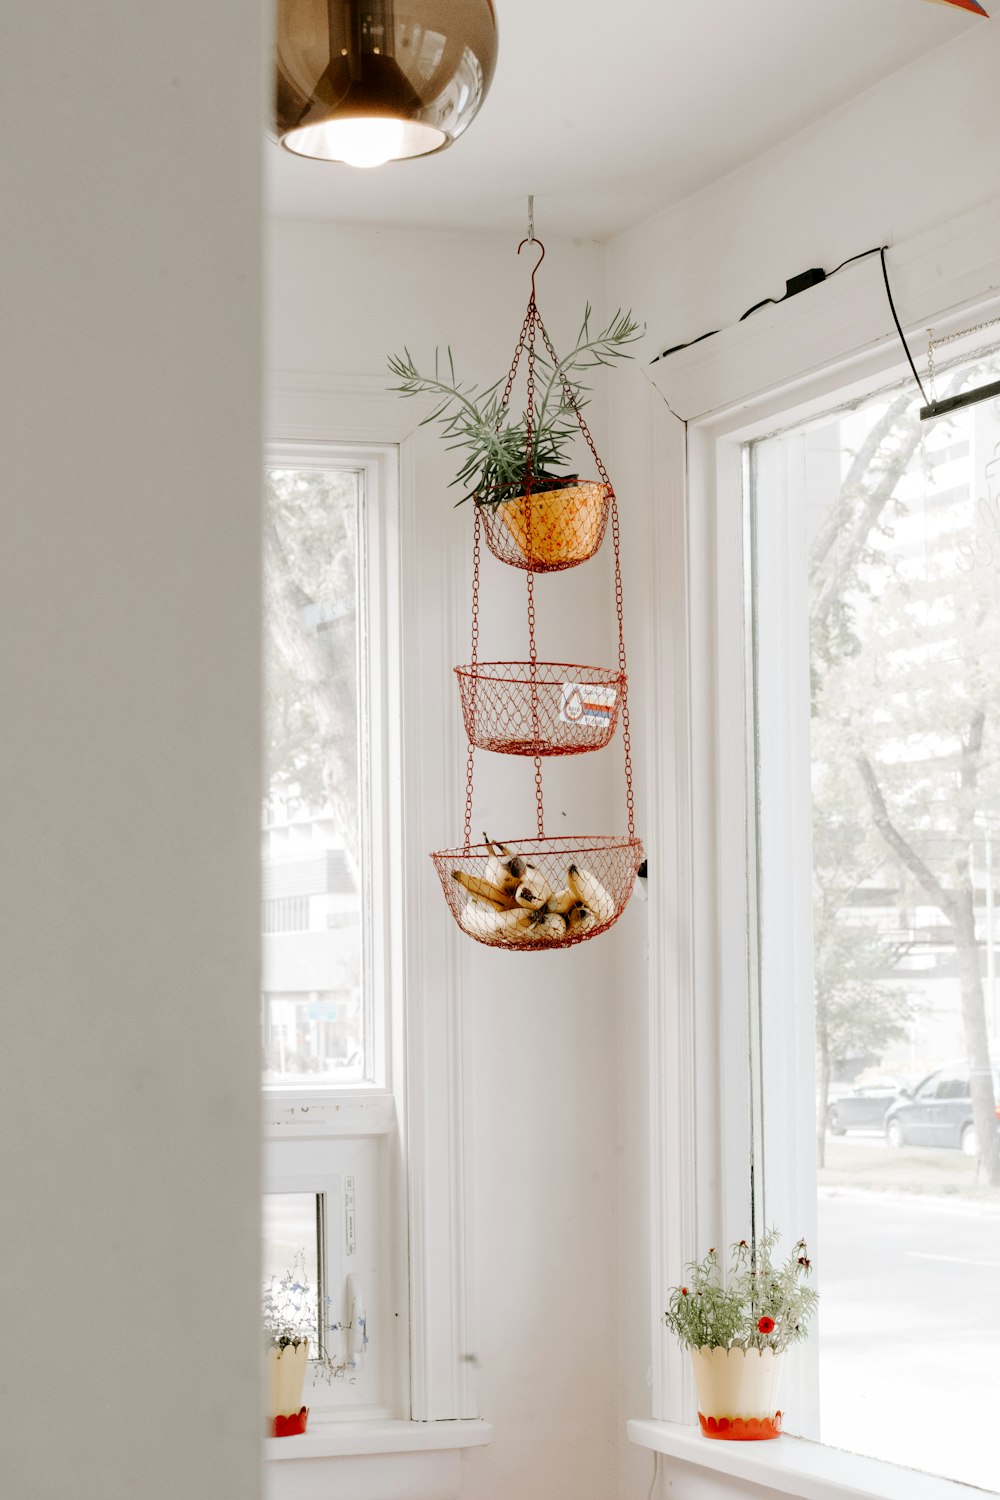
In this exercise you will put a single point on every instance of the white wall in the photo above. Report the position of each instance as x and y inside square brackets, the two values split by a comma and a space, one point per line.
[129, 776]
[921, 147]
[540, 1030]
[910, 153]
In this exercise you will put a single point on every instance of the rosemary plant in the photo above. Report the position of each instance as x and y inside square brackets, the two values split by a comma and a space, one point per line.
[756, 1305]
[495, 448]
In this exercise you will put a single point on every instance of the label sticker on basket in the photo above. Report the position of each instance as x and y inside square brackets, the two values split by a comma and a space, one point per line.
[590, 705]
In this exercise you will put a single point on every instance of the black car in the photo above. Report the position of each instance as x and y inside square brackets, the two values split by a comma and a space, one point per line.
[938, 1112]
[862, 1107]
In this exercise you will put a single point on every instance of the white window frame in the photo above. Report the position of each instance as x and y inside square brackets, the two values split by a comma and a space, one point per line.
[314, 1135]
[380, 750]
[785, 364]
[421, 1107]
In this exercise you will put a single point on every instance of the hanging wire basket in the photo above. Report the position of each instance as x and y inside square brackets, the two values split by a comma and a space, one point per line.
[542, 892]
[539, 893]
[547, 530]
[539, 708]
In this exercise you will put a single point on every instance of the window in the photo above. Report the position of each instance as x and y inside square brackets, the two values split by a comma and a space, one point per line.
[331, 910]
[873, 649]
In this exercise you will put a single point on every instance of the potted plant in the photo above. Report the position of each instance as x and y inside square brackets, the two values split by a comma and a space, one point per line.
[552, 518]
[291, 1325]
[737, 1324]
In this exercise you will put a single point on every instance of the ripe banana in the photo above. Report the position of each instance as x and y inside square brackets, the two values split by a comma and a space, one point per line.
[529, 899]
[504, 872]
[484, 890]
[588, 889]
[483, 921]
[562, 901]
[580, 918]
[547, 925]
[513, 902]
[534, 882]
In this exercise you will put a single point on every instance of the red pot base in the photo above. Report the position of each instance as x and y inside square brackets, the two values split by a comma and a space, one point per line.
[293, 1425]
[741, 1429]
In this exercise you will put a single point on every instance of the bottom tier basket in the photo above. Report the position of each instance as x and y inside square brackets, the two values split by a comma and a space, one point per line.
[529, 894]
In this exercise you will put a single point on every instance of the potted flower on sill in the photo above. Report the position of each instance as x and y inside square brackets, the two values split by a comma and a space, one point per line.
[291, 1325]
[737, 1326]
[553, 519]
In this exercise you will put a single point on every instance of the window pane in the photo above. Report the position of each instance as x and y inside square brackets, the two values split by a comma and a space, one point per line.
[314, 855]
[877, 589]
[290, 1235]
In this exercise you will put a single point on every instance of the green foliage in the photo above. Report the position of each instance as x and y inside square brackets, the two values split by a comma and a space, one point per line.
[755, 1305]
[476, 423]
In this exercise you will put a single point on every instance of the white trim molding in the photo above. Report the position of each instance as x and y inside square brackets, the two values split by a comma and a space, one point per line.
[430, 1096]
[785, 362]
[934, 278]
[794, 1466]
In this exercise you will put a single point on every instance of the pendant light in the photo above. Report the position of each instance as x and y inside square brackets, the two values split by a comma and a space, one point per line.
[371, 81]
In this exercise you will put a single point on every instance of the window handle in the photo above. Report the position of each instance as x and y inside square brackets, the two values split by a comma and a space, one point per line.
[357, 1327]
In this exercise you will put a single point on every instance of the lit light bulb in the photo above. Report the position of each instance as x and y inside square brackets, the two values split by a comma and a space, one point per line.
[365, 140]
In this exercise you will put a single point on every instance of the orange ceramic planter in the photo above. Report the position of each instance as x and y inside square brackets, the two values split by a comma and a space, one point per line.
[286, 1373]
[557, 528]
[738, 1393]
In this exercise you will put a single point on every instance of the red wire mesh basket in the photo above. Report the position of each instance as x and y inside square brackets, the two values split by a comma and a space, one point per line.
[549, 529]
[539, 893]
[539, 708]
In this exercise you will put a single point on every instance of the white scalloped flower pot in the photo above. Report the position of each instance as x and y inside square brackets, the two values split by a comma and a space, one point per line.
[738, 1392]
[286, 1374]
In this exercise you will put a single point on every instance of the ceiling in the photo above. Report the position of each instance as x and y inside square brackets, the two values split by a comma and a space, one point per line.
[610, 110]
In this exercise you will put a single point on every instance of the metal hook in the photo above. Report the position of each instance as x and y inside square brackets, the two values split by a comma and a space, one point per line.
[537, 262]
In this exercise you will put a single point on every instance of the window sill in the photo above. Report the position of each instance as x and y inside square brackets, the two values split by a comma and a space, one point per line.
[340, 1439]
[371, 1460]
[795, 1466]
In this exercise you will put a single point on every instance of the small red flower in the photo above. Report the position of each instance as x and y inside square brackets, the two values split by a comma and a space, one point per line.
[765, 1325]
[684, 1291]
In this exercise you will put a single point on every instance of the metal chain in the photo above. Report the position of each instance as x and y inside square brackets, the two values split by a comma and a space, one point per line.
[623, 667]
[526, 342]
[522, 341]
[469, 769]
[477, 532]
[619, 596]
[950, 338]
[532, 322]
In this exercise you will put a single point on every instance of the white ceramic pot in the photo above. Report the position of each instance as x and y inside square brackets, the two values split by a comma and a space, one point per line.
[738, 1392]
[286, 1374]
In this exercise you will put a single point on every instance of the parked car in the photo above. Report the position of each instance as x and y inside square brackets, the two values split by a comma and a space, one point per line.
[939, 1111]
[863, 1106]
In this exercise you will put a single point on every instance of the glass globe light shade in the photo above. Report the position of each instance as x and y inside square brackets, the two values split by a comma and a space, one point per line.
[370, 81]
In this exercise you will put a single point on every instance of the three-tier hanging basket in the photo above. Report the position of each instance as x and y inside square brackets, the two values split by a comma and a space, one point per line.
[540, 892]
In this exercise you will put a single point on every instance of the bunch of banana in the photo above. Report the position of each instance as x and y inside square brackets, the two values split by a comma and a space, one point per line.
[513, 901]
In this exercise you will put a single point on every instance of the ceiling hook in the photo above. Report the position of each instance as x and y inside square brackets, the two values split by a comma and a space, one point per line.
[537, 262]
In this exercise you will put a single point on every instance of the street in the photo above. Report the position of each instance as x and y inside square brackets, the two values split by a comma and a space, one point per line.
[909, 1330]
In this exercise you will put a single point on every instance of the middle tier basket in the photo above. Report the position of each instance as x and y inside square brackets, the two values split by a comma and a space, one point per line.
[539, 708]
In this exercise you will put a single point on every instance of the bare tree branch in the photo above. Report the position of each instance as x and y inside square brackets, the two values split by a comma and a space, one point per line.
[900, 846]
